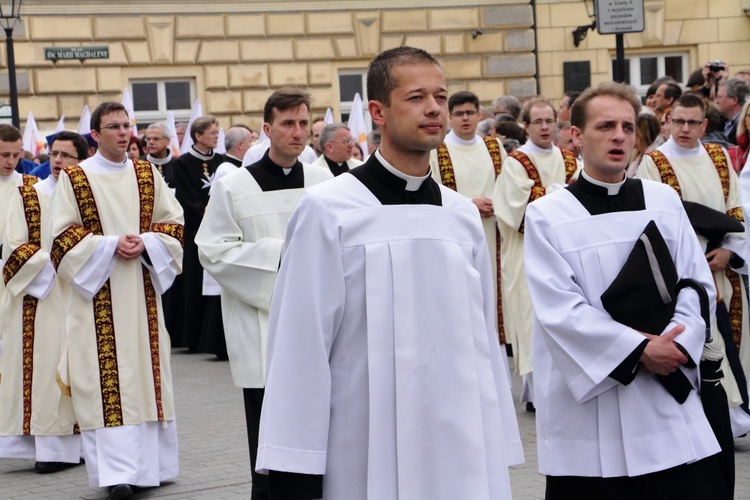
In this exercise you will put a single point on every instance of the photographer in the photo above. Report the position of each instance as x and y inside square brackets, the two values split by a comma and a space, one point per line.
[714, 74]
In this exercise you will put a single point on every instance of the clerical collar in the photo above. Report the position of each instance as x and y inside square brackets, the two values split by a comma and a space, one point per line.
[531, 148]
[110, 165]
[160, 161]
[412, 183]
[672, 149]
[13, 176]
[453, 139]
[612, 188]
[201, 156]
[266, 163]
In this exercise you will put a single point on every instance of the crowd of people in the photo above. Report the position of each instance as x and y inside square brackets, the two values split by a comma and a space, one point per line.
[371, 304]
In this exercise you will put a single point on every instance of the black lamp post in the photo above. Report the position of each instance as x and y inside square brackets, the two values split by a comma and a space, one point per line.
[10, 12]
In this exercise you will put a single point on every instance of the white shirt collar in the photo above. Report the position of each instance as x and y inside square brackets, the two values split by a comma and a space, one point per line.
[612, 188]
[412, 183]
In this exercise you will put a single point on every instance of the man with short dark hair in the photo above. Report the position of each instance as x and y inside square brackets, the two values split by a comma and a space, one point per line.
[533, 170]
[385, 378]
[337, 144]
[240, 241]
[117, 234]
[730, 97]
[606, 426]
[469, 165]
[666, 94]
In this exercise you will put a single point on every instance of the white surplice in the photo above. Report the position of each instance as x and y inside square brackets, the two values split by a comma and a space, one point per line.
[239, 244]
[588, 424]
[385, 373]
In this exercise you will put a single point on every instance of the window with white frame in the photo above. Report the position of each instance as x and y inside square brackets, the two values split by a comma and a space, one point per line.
[350, 83]
[642, 69]
[153, 99]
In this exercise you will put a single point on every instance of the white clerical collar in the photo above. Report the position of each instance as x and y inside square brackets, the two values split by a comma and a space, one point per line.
[453, 139]
[160, 161]
[531, 148]
[412, 183]
[101, 163]
[13, 176]
[612, 188]
[672, 149]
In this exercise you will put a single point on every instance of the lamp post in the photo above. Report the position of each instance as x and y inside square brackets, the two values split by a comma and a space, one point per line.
[10, 12]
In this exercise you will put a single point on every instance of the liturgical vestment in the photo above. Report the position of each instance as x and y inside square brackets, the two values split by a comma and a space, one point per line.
[515, 188]
[32, 330]
[696, 178]
[588, 422]
[117, 362]
[385, 375]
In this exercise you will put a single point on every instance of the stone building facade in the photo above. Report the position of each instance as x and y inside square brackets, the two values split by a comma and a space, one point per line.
[233, 53]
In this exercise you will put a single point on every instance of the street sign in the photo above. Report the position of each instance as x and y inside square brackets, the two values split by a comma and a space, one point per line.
[81, 53]
[619, 16]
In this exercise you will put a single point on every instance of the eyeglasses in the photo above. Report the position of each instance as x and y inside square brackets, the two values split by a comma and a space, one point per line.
[681, 123]
[114, 127]
[62, 154]
[150, 139]
[468, 112]
[345, 141]
[539, 123]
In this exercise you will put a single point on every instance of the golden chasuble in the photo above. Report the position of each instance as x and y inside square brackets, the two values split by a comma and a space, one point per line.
[666, 172]
[448, 179]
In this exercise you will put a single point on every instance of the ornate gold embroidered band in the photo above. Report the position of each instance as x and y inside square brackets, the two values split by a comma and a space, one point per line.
[109, 377]
[144, 176]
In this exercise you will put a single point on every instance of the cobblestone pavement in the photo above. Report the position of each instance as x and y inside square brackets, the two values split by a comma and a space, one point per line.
[214, 462]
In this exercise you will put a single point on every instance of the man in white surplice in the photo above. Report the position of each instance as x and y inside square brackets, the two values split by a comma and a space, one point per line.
[385, 377]
[469, 164]
[239, 244]
[605, 425]
[32, 326]
[118, 232]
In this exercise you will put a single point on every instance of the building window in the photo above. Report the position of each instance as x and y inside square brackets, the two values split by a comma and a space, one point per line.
[642, 70]
[350, 83]
[153, 99]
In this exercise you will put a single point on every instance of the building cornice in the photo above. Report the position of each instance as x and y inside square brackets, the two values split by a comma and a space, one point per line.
[150, 7]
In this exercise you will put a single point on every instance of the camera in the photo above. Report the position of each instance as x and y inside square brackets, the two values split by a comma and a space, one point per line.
[717, 66]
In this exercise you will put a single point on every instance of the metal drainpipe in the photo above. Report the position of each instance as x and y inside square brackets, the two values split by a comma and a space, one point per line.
[536, 49]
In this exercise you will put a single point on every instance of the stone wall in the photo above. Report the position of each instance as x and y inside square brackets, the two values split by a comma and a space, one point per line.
[237, 59]
[705, 29]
